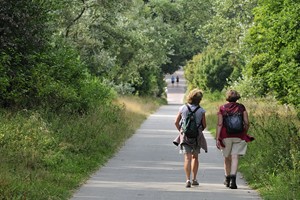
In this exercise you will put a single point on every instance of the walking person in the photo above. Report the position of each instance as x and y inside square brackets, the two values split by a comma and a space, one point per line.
[172, 79]
[190, 146]
[231, 136]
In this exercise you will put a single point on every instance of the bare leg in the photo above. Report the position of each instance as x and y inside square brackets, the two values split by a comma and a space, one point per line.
[187, 165]
[234, 164]
[195, 166]
[227, 165]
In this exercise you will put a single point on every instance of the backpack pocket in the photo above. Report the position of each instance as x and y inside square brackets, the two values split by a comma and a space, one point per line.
[234, 123]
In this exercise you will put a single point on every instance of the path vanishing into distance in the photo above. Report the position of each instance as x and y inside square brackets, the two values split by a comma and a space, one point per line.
[149, 166]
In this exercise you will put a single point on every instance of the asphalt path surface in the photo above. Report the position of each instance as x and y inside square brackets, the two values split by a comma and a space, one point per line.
[149, 166]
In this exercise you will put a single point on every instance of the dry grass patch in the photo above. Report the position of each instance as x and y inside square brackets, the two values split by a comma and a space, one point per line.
[144, 106]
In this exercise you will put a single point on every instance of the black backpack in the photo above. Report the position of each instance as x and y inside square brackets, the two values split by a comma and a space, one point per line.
[234, 123]
[189, 125]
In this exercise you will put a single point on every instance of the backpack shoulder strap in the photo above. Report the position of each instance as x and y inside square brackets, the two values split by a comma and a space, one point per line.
[191, 109]
[196, 109]
[225, 111]
[188, 107]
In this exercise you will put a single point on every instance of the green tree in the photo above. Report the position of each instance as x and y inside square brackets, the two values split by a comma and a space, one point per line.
[118, 42]
[23, 35]
[184, 19]
[211, 69]
[38, 67]
[223, 59]
[273, 49]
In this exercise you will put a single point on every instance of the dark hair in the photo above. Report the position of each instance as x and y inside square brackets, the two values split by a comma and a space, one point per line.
[232, 96]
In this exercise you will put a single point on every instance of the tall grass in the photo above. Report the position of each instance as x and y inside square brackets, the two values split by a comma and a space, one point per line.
[272, 162]
[211, 103]
[47, 156]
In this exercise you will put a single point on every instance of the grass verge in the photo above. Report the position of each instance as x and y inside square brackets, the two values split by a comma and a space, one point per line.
[47, 156]
[272, 162]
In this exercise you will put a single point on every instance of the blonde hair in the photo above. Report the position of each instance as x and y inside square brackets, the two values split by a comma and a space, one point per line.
[194, 97]
[232, 96]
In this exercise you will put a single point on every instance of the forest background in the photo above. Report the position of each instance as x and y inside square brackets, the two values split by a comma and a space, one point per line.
[71, 68]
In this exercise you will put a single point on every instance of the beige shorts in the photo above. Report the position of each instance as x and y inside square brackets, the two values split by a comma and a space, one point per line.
[234, 146]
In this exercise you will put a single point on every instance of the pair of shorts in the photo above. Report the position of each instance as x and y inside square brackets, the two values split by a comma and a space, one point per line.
[234, 146]
[189, 149]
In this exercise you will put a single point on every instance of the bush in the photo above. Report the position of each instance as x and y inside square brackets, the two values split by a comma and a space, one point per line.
[272, 162]
[56, 80]
[248, 87]
[211, 69]
[39, 68]
[46, 155]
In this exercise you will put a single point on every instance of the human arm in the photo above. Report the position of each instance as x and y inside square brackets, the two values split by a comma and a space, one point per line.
[177, 121]
[203, 121]
[218, 131]
[246, 121]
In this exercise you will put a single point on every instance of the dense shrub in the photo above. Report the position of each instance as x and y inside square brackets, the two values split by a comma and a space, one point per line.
[212, 69]
[273, 45]
[39, 68]
[46, 155]
[272, 162]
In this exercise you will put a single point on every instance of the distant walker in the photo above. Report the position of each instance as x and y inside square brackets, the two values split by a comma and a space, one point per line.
[172, 80]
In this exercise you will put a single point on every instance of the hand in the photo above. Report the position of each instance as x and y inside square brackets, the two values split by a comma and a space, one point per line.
[220, 145]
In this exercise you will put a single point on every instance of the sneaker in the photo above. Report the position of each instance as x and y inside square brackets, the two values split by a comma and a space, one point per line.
[195, 182]
[188, 184]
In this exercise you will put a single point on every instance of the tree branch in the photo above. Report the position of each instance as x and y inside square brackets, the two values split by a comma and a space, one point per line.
[74, 20]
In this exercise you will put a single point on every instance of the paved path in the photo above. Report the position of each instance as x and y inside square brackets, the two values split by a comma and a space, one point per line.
[149, 166]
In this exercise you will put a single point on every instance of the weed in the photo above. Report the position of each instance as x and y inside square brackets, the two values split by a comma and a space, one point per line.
[48, 155]
[272, 162]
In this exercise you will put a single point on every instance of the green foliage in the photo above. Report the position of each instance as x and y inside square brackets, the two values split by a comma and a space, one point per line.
[119, 43]
[214, 96]
[229, 22]
[191, 72]
[57, 80]
[126, 43]
[47, 155]
[248, 87]
[188, 42]
[39, 70]
[262, 38]
[211, 102]
[25, 30]
[150, 83]
[212, 69]
[222, 60]
[273, 45]
[25, 35]
[272, 162]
